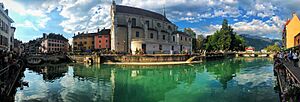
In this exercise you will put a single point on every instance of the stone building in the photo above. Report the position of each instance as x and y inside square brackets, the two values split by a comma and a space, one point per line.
[6, 30]
[138, 29]
[54, 43]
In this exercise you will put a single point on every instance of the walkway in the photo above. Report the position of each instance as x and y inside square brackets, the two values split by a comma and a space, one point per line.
[295, 71]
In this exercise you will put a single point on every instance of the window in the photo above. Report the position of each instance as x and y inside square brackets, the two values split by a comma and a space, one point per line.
[158, 25]
[99, 46]
[99, 36]
[164, 37]
[172, 48]
[169, 27]
[147, 23]
[106, 36]
[106, 40]
[99, 41]
[173, 38]
[137, 34]
[133, 22]
[151, 35]
[185, 39]
[160, 47]
[84, 42]
[92, 42]
[181, 38]
[106, 46]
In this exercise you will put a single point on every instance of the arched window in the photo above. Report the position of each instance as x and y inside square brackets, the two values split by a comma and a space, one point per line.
[133, 22]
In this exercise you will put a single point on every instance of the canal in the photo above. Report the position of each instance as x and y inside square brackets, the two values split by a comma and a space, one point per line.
[229, 80]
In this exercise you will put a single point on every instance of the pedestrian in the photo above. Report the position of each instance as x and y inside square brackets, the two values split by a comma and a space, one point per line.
[295, 59]
[290, 56]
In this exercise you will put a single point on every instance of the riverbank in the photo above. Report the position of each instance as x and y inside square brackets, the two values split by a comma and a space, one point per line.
[150, 64]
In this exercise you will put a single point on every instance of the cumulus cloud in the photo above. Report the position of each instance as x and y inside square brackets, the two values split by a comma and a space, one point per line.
[88, 15]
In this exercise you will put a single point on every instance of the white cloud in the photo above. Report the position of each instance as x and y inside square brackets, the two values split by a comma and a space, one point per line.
[27, 24]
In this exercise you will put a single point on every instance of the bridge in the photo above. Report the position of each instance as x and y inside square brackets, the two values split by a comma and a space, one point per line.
[45, 58]
[254, 54]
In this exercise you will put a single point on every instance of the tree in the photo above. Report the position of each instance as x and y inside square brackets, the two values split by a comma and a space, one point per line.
[225, 39]
[192, 33]
[199, 42]
[272, 48]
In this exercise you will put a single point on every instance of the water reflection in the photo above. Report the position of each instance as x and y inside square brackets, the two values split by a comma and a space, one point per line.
[231, 80]
[50, 72]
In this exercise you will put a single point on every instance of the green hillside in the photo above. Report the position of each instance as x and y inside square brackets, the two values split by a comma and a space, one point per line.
[259, 42]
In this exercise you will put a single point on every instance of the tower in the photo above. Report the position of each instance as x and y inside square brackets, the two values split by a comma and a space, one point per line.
[113, 25]
[164, 11]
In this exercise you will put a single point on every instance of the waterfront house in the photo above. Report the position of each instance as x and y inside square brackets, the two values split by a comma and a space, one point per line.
[291, 29]
[83, 41]
[6, 30]
[102, 39]
[135, 29]
[54, 43]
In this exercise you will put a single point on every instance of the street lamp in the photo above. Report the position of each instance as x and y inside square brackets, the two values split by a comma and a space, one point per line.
[124, 45]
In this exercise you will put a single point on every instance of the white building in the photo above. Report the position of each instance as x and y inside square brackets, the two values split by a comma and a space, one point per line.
[6, 30]
[138, 29]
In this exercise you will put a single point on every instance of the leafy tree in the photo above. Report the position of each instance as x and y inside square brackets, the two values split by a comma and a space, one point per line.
[192, 33]
[225, 39]
[272, 48]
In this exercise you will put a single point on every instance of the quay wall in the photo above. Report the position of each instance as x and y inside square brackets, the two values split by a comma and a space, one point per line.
[145, 58]
[98, 59]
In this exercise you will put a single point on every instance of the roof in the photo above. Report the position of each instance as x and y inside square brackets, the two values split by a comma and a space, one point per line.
[102, 32]
[56, 36]
[139, 11]
[181, 33]
[287, 22]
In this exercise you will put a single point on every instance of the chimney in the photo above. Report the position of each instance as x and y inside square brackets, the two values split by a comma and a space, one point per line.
[6, 11]
[78, 33]
[44, 35]
[98, 30]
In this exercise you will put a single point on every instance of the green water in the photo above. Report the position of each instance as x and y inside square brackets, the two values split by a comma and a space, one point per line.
[230, 80]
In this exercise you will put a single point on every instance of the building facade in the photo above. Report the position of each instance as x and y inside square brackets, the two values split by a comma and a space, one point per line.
[83, 42]
[92, 41]
[138, 29]
[32, 46]
[102, 40]
[6, 30]
[54, 43]
[291, 29]
[297, 40]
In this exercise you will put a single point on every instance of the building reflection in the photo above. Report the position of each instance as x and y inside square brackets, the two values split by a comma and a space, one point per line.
[50, 72]
[226, 70]
[150, 84]
[100, 76]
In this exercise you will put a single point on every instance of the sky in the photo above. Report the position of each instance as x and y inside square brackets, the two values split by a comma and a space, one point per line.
[263, 18]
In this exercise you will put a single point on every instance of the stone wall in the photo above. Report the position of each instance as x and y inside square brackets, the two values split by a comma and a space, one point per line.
[145, 58]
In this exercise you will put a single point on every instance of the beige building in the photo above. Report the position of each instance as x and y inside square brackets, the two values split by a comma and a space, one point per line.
[138, 29]
[6, 30]
[54, 43]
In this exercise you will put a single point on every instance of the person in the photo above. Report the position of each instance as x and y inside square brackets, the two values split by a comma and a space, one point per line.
[295, 59]
[290, 56]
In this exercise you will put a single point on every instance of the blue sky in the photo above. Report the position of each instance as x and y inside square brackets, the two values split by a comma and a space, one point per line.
[254, 17]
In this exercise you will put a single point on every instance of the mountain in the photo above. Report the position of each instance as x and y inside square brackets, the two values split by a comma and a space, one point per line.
[259, 42]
